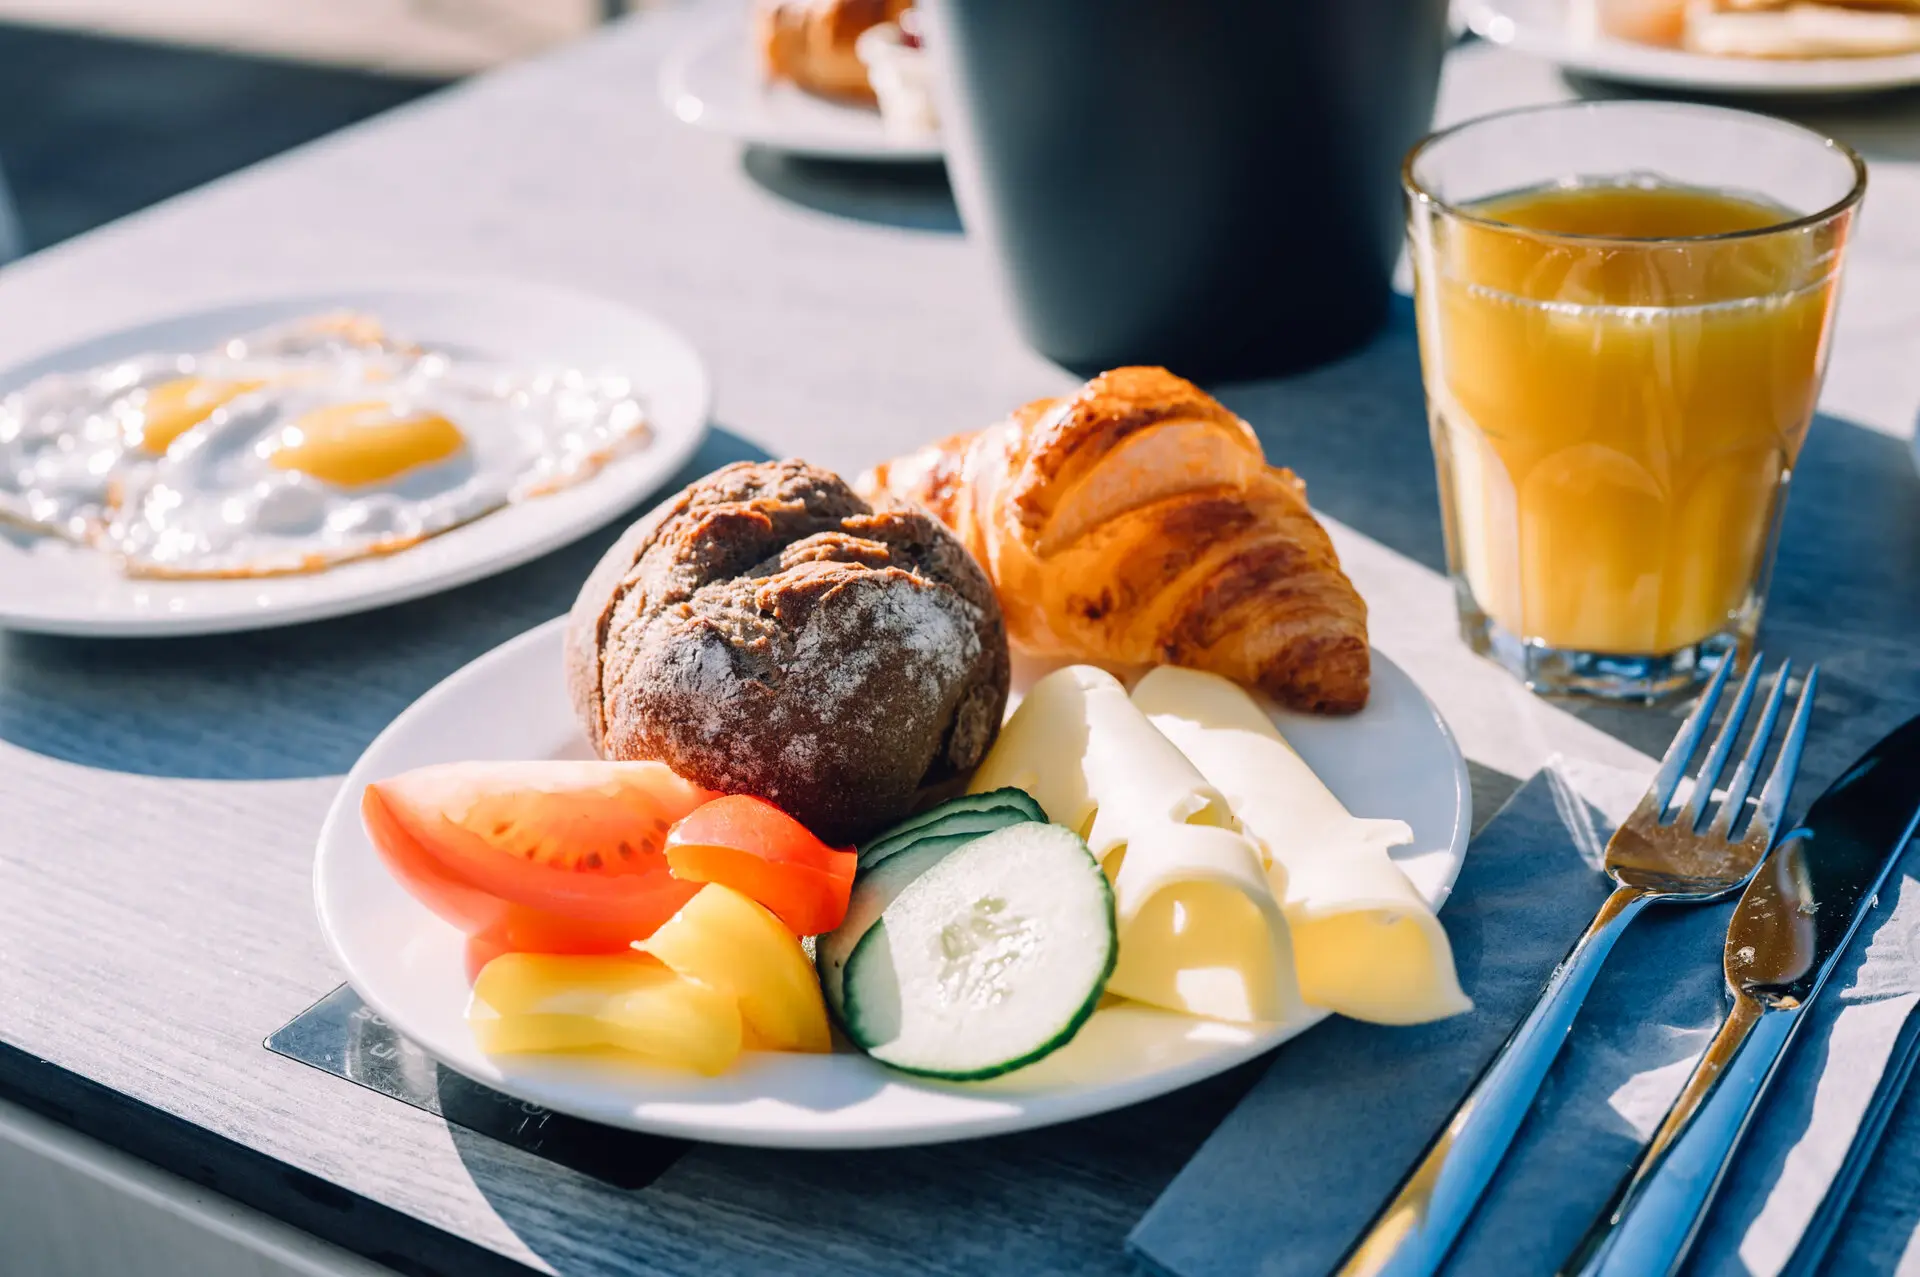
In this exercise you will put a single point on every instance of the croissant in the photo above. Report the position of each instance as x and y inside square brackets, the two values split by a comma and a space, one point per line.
[1137, 523]
[811, 42]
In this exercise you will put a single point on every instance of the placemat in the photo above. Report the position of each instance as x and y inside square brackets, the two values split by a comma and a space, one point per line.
[343, 1036]
[1299, 1184]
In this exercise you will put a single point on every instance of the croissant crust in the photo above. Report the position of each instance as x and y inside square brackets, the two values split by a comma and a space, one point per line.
[1135, 523]
[811, 42]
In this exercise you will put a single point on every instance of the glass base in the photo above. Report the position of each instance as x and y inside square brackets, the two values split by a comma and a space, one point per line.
[1553, 671]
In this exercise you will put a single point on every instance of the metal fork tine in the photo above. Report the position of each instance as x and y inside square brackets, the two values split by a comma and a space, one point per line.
[1773, 799]
[1685, 741]
[1742, 783]
[1694, 812]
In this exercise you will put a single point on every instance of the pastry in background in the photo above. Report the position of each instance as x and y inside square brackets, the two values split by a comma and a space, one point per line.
[811, 43]
[767, 632]
[1662, 22]
[1137, 523]
[1766, 28]
[1856, 29]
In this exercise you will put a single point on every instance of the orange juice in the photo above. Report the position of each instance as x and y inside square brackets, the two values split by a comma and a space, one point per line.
[1615, 420]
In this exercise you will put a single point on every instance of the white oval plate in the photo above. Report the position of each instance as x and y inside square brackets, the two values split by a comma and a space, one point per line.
[1562, 31]
[1395, 758]
[714, 82]
[54, 587]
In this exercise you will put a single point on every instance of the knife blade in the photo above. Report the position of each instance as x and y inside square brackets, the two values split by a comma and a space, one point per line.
[1792, 923]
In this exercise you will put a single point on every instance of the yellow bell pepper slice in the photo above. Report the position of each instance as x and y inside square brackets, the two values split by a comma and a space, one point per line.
[569, 1002]
[727, 942]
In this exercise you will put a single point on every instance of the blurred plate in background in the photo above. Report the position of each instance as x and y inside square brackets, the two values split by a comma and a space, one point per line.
[714, 82]
[1564, 31]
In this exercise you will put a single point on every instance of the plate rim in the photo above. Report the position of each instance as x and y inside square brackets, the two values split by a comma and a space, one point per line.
[674, 88]
[669, 453]
[1624, 62]
[1012, 1117]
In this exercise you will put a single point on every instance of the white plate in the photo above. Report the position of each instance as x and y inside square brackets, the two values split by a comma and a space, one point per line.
[1395, 758]
[1562, 31]
[714, 81]
[54, 587]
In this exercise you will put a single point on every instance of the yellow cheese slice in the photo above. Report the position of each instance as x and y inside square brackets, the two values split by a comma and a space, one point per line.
[1200, 928]
[1365, 943]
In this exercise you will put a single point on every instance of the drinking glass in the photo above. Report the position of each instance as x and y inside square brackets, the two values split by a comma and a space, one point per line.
[1624, 313]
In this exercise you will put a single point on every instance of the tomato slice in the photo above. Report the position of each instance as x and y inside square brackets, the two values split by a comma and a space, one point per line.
[536, 857]
[766, 855]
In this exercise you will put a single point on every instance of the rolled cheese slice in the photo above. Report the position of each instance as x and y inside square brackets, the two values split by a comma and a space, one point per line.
[1200, 928]
[1365, 943]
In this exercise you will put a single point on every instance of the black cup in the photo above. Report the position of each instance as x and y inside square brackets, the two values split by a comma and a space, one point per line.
[1212, 185]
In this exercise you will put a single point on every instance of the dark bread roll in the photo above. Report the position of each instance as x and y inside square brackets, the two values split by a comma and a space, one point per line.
[767, 632]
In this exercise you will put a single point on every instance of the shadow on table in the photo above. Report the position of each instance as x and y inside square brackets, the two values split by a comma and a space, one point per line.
[1356, 430]
[94, 127]
[914, 197]
[274, 704]
[1058, 1200]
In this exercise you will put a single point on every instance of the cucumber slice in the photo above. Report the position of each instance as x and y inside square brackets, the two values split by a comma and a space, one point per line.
[929, 836]
[971, 813]
[955, 831]
[940, 837]
[989, 959]
[872, 893]
[960, 822]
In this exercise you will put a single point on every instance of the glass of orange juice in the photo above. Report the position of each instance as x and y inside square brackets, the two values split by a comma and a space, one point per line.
[1624, 313]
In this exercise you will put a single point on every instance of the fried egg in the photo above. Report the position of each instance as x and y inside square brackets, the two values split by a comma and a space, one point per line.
[297, 448]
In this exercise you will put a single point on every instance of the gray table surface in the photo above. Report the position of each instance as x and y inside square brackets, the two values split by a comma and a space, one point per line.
[159, 800]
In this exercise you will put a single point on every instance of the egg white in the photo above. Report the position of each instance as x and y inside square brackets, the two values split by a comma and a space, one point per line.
[214, 505]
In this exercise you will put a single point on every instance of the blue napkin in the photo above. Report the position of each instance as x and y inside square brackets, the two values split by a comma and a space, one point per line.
[1295, 1173]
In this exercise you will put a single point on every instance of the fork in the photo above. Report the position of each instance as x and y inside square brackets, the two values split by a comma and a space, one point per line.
[1650, 859]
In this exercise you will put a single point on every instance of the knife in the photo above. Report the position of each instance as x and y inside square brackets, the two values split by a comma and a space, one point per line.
[1793, 922]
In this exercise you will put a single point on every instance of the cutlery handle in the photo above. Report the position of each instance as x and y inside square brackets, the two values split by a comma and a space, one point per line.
[1656, 1213]
[1413, 1233]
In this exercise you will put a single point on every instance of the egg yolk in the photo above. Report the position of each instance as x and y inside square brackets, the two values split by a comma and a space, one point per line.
[355, 444]
[172, 408]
